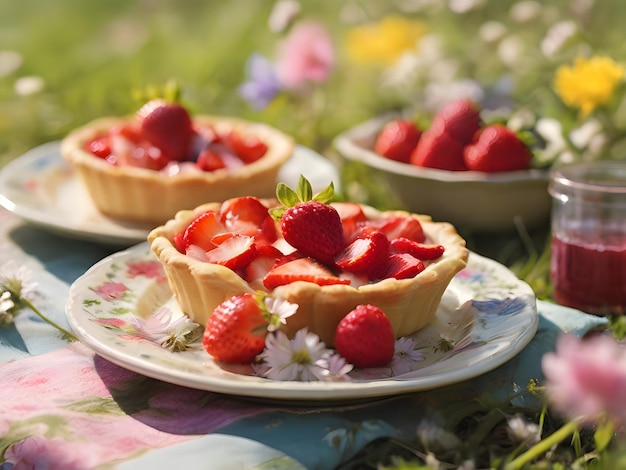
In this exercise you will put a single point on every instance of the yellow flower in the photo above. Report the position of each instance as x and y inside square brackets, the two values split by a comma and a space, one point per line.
[588, 83]
[382, 43]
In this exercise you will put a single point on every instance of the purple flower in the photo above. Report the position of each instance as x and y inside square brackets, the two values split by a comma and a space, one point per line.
[262, 85]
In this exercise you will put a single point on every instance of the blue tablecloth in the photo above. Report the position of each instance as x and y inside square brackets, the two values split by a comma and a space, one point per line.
[82, 411]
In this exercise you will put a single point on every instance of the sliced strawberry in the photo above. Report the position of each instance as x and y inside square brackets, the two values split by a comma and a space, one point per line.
[265, 259]
[301, 269]
[248, 147]
[179, 241]
[249, 216]
[394, 227]
[351, 215]
[403, 266]
[236, 252]
[210, 161]
[129, 148]
[368, 256]
[202, 230]
[418, 250]
[100, 146]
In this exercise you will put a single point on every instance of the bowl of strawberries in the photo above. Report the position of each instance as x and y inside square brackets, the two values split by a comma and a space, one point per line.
[460, 169]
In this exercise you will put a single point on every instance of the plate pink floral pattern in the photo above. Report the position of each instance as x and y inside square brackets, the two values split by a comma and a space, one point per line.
[486, 317]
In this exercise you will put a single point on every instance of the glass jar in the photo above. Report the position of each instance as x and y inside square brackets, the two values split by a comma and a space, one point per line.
[588, 260]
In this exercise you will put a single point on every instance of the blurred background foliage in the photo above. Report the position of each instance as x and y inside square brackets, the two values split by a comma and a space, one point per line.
[66, 62]
[89, 56]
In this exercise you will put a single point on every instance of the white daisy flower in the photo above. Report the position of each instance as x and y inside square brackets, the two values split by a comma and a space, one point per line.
[301, 358]
[159, 328]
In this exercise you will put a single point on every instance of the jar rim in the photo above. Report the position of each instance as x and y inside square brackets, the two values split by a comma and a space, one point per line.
[596, 176]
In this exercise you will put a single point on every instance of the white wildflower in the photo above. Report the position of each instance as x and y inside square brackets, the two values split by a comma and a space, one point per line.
[25, 86]
[433, 437]
[283, 13]
[525, 11]
[160, 329]
[17, 280]
[521, 431]
[335, 367]
[557, 36]
[10, 61]
[492, 31]
[279, 310]
[405, 356]
[301, 358]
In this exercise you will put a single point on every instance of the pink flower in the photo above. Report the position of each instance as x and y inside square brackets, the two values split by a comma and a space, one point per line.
[306, 55]
[150, 269]
[111, 290]
[587, 378]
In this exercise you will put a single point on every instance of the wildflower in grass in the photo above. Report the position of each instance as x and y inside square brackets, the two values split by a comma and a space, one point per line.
[521, 431]
[262, 83]
[384, 42]
[589, 83]
[305, 56]
[586, 379]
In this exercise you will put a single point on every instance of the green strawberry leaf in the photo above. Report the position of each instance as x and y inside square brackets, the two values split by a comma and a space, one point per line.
[286, 196]
[303, 193]
[304, 190]
[325, 195]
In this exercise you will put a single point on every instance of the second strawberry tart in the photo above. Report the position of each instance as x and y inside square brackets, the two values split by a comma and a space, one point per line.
[144, 168]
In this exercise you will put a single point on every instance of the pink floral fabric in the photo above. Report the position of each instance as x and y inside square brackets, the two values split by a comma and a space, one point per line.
[94, 412]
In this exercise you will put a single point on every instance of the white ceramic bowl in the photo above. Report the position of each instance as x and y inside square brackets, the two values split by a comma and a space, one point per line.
[471, 200]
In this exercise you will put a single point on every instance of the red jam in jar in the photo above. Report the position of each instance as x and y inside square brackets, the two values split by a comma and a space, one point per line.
[588, 264]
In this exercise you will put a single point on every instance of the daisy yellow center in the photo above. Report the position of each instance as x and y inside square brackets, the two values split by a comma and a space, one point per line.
[588, 83]
[301, 357]
[382, 43]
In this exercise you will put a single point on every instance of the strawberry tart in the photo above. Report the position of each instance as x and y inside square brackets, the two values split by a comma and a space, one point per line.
[326, 257]
[145, 168]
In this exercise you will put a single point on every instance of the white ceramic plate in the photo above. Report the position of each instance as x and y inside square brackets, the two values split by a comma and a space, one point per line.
[41, 188]
[487, 313]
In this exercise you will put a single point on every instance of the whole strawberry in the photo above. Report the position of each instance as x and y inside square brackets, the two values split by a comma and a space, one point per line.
[460, 119]
[167, 126]
[236, 330]
[397, 139]
[308, 222]
[437, 149]
[364, 337]
[497, 148]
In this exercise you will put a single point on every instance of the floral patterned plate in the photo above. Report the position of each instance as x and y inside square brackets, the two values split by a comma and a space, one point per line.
[486, 317]
[43, 189]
